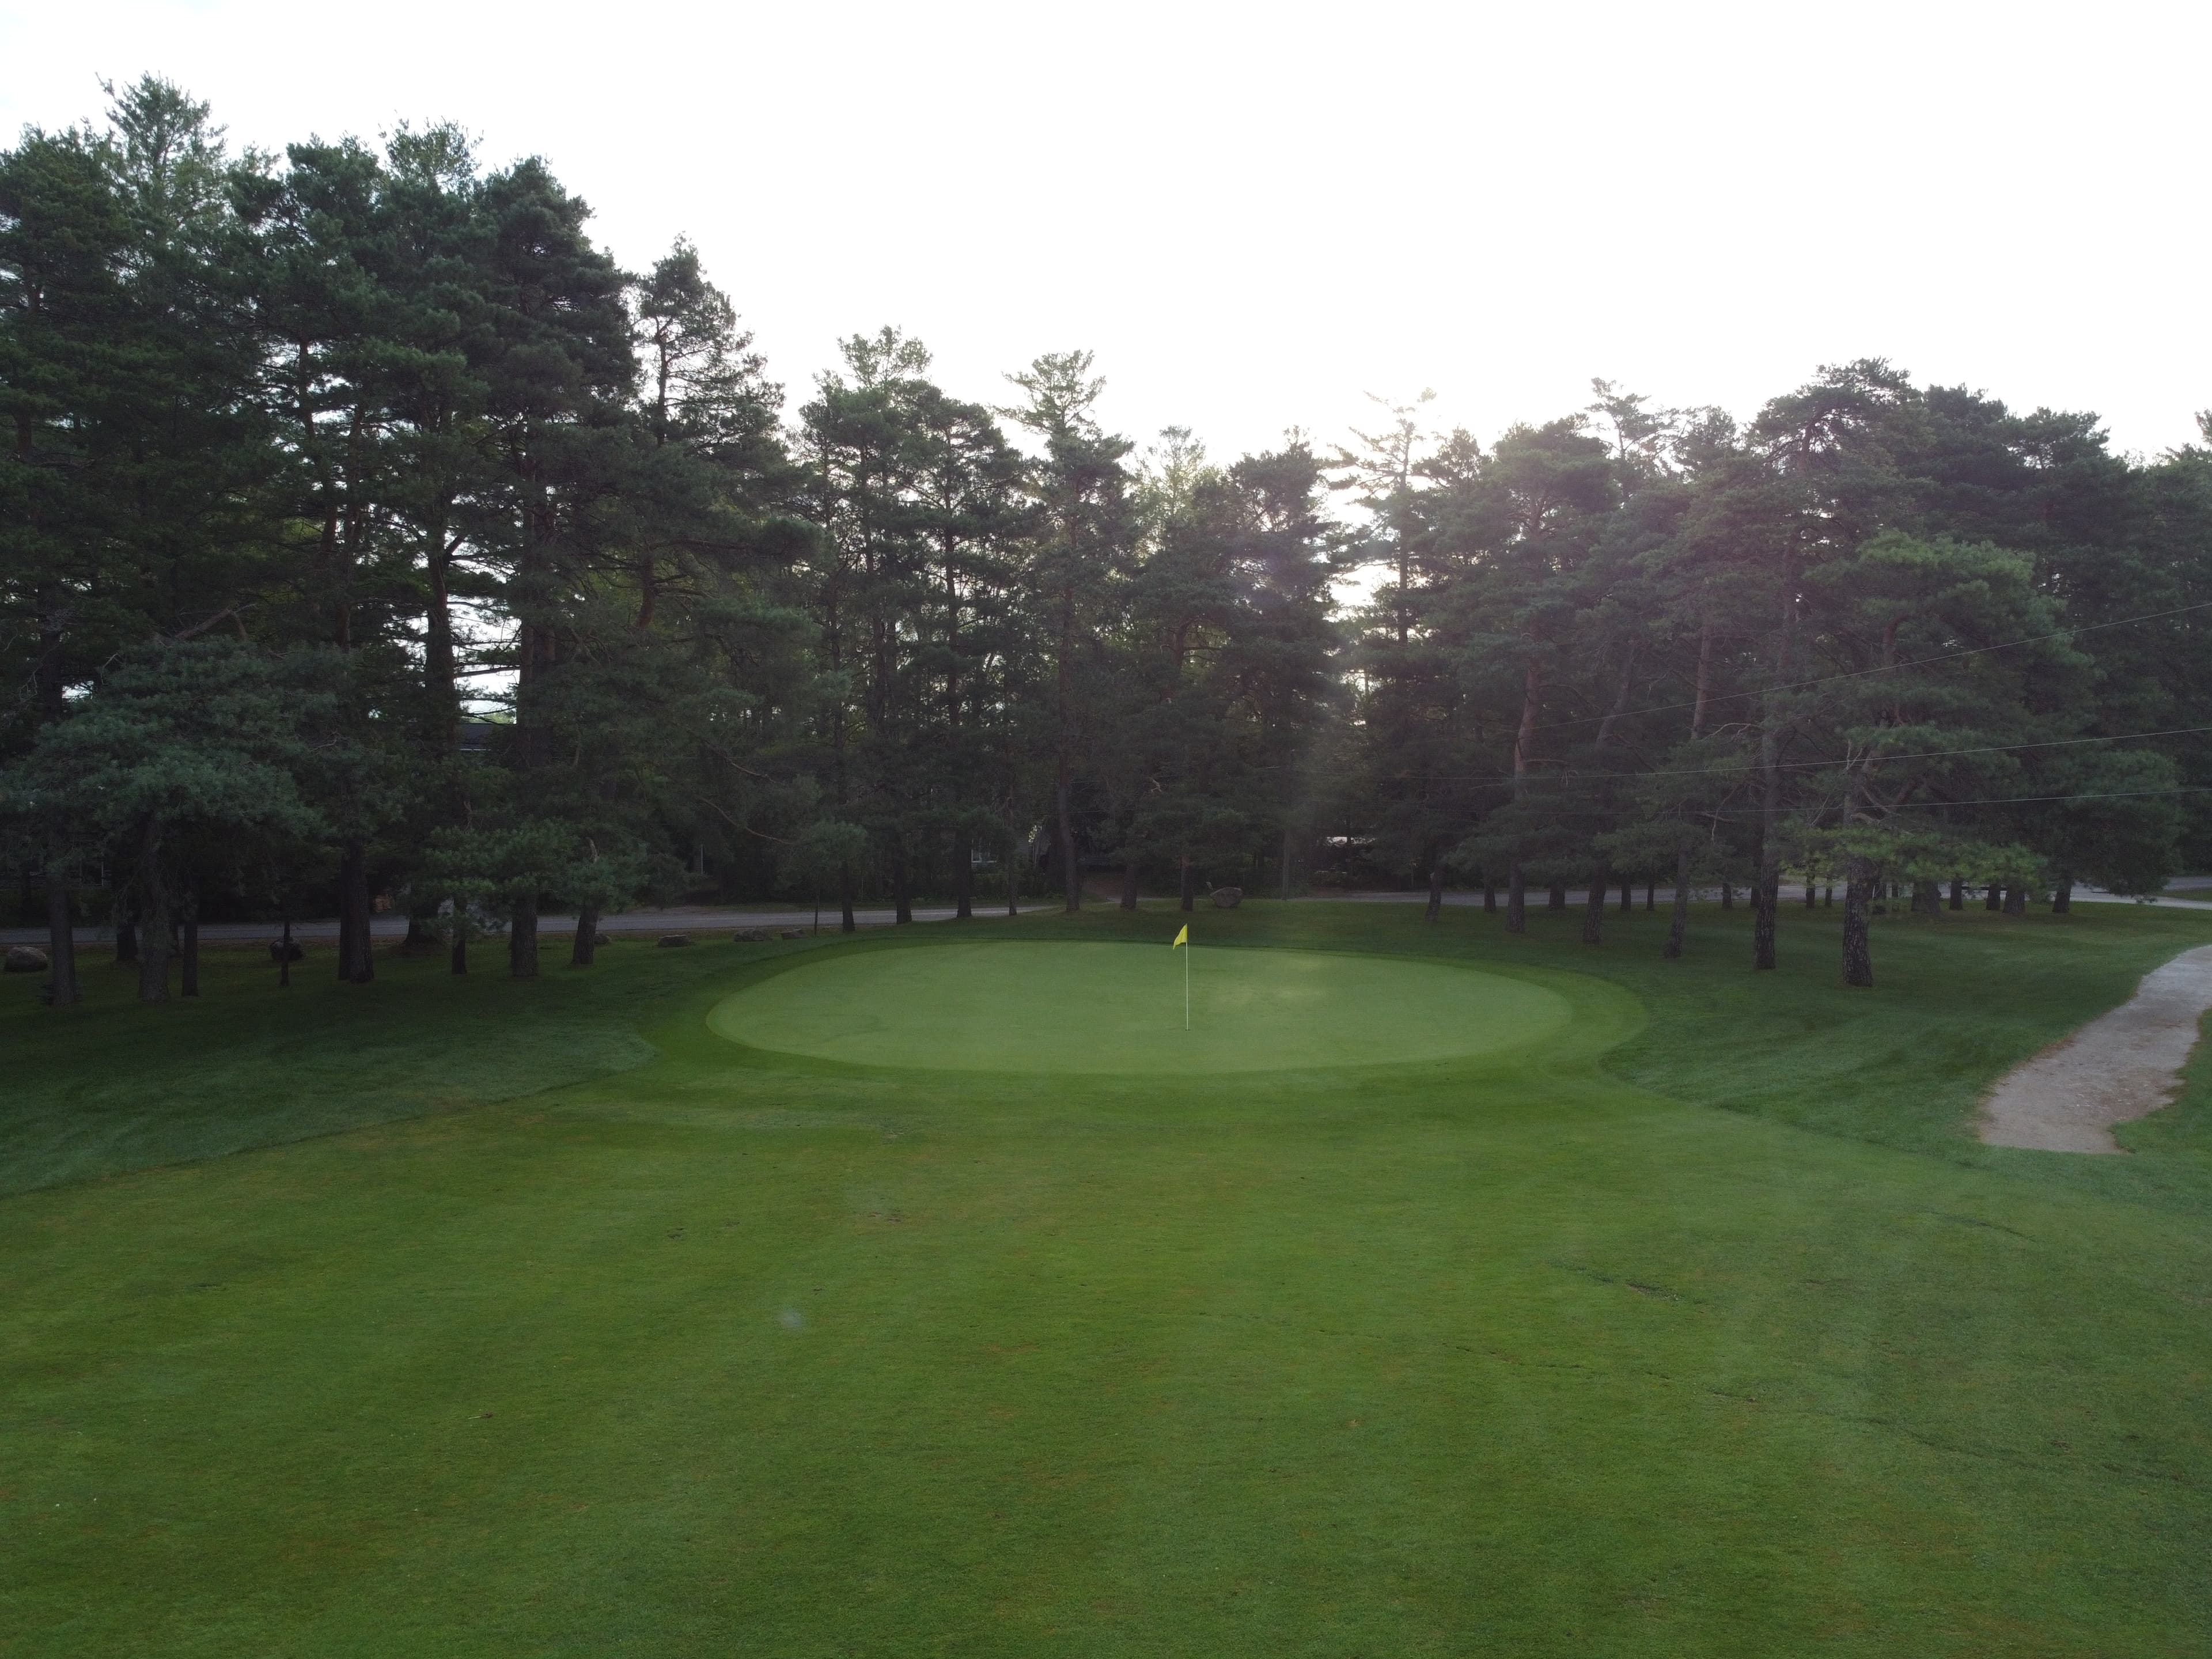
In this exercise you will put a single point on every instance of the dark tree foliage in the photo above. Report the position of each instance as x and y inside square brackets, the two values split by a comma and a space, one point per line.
[370, 540]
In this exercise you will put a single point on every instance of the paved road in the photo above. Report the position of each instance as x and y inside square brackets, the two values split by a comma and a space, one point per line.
[709, 920]
[1791, 896]
[680, 920]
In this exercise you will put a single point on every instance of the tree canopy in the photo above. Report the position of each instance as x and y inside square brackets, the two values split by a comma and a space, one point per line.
[369, 537]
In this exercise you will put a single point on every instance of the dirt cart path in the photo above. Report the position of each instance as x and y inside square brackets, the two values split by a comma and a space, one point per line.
[2124, 1066]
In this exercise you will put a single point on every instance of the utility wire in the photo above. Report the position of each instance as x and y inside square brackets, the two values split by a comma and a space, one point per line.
[1748, 767]
[1886, 668]
[1813, 766]
[1986, 800]
[2011, 801]
[1996, 800]
[1931, 754]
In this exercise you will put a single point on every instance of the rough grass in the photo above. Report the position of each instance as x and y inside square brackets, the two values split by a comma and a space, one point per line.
[729, 1352]
[112, 1086]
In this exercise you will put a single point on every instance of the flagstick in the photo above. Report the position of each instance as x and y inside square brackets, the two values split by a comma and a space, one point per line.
[1186, 985]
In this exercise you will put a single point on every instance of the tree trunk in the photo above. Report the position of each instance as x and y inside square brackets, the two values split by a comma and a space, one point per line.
[1594, 907]
[1727, 895]
[1286, 864]
[1927, 900]
[284, 948]
[1129, 883]
[438, 663]
[582, 950]
[1435, 889]
[902, 885]
[358, 963]
[188, 982]
[153, 915]
[1704, 676]
[522, 938]
[846, 923]
[1627, 896]
[2015, 900]
[2062, 898]
[1071, 879]
[1812, 898]
[458, 961]
[1828, 895]
[61, 939]
[1516, 889]
[1013, 868]
[1189, 889]
[963, 878]
[50, 676]
[1995, 899]
[1766, 889]
[1556, 898]
[1650, 895]
[1489, 897]
[1957, 892]
[126, 935]
[1858, 944]
[1679, 928]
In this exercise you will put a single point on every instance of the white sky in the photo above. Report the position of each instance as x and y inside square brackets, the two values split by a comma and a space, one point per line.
[1256, 214]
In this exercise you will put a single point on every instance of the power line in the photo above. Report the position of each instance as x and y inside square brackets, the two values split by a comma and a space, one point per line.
[1996, 800]
[1918, 754]
[1986, 800]
[1748, 767]
[1886, 668]
[2013, 801]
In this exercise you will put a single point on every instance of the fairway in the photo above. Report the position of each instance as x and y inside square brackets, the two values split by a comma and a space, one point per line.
[1508, 1003]
[1119, 1008]
[1661, 1309]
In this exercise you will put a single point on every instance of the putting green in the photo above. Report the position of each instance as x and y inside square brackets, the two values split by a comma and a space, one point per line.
[1105, 1008]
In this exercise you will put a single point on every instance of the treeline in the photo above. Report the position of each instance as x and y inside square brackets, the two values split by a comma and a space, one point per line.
[366, 536]
[369, 535]
[1885, 636]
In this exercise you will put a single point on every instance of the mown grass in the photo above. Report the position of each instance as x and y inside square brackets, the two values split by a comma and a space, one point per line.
[673, 1346]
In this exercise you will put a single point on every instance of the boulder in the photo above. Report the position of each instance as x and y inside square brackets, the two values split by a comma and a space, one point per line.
[26, 959]
[794, 932]
[751, 936]
[1228, 898]
[278, 951]
[670, 941]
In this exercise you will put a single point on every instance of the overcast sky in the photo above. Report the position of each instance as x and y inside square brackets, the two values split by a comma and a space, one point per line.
[1255, 214]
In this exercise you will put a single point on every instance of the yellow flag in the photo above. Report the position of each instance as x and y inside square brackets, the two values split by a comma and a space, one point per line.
[1183, 937]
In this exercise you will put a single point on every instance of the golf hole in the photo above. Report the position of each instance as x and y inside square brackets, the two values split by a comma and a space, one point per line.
[1119, 1008]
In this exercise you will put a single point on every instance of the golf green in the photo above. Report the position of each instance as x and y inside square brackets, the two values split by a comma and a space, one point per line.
[1119, 1008]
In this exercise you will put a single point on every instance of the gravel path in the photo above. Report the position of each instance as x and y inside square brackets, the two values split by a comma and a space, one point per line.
[2124, 1066]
